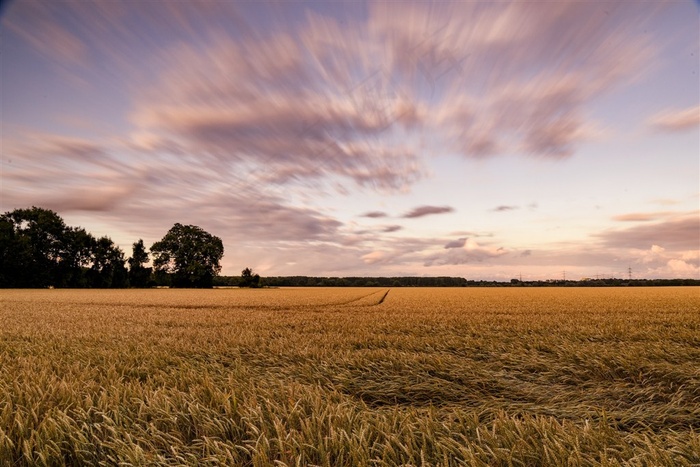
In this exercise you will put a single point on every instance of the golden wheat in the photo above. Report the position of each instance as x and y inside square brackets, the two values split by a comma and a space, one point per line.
[333, 377]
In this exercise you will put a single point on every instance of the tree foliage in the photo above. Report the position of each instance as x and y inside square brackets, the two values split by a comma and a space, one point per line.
[189, 255]
[37, 249]
[249, 279]
[31, 248]
[139, 275]
[107, 268]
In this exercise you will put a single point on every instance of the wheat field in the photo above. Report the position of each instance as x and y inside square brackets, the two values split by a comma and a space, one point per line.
[351, 377]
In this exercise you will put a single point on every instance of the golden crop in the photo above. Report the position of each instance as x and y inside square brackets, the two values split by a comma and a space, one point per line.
[512, 376]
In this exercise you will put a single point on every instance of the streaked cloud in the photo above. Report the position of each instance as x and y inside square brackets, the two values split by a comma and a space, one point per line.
[374, 214]
[376, 257]
[642, 216]
[676, 120]
[503, 208]
[681, 233]
[422, 211]
[469, 252]
[272, 124]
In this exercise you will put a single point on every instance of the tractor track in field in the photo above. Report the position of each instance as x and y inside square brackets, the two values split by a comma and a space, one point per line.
[355, 300]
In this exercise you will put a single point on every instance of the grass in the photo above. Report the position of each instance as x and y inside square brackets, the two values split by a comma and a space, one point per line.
[333, 377]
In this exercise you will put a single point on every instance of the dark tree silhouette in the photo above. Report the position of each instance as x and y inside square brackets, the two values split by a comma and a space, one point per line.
[107, 268]
[79, 251]
[189, 255]
[139, 275]
[32, 247]
[248, 279]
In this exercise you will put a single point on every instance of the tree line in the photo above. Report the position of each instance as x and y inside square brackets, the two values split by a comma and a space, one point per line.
[37, 249]
[446, 281]
[313, 281]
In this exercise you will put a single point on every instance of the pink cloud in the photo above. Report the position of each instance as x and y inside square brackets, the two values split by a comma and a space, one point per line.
[676, 120]
[421, 211]
[642, 216]
[469, 252]
[675, 233]
[375, 214]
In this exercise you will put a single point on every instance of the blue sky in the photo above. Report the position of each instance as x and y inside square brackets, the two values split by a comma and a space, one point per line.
[474, 139]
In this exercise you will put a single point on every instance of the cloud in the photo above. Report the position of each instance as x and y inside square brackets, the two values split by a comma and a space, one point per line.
[287, 110]
[47, 35]
[149, 194]
[503, 208]
[676, 120]
[376, 257]
[666, 201]
[421, 211]
[322, 98]
[682, 233]
[459, 243]
[469, 252]
[374, 214]
[653, 253]
[642, 216]
[534, 72]
[682, 269]
[243, 119]
[468, 233]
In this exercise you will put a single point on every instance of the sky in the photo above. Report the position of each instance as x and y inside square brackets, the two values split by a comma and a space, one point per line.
[485, 140]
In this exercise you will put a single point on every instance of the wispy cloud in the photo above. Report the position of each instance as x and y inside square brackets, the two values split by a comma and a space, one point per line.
[676, 120]
[504, 208]
[312, 96]
[681, 233]
[469, 252]
[246, 118]
[642, 216]
[422, 211]
[374, 214]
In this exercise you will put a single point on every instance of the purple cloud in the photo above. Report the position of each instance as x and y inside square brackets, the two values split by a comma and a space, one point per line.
[678, 233]
[676, 120]
[503, 208]
[459, 243]
[470, 252]
[374, 214]
[421, 211]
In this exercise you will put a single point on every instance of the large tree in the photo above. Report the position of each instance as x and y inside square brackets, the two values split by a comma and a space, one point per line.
[107, 268]
[33, 245]
[190, 255]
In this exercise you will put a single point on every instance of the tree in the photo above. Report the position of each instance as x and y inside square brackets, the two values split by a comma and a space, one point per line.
[190, 255]
[138, 273]
[107, 268]
[76, 259]
[248, 279]
[32, 245]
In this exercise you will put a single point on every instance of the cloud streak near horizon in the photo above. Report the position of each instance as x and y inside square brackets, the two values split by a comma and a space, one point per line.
[274, 124]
